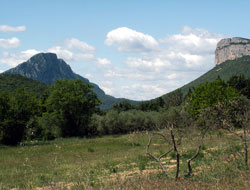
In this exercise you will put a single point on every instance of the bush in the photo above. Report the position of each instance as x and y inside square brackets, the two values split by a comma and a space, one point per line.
[124, 122]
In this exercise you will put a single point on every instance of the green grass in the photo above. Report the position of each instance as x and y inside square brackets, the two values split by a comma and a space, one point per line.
[120, 162]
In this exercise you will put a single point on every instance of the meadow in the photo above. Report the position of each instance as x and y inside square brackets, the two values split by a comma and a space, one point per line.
[120, 162]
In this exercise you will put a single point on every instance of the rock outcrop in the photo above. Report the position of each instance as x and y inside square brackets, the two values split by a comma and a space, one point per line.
[231, 48]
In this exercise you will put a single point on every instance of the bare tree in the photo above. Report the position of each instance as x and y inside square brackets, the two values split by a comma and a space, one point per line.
[171, 130]
[158, 159]
[196, 154]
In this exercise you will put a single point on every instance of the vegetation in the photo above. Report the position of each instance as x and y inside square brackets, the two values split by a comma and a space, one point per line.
[185, 137]
[11, 82]
[225, 71]
[120, 162]
[62, 111]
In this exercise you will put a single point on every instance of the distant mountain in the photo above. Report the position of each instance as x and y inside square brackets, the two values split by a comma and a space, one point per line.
[47, 68]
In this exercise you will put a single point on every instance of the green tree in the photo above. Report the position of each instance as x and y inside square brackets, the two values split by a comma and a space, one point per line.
[174, 99]
[232, 116]
[208, 95]
[123, 106]
[18, 109]
[73, 102]
[241, 84]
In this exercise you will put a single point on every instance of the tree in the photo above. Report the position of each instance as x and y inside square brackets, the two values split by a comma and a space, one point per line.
[208, 95]
[241, 84]
[235, 115]
[174, 99]
[123, 106]
[171, 130]
[73, 102]
[16, 110]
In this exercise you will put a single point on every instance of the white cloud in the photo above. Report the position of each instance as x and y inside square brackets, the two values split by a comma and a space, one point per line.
[107, 86]
[103, 61]
[1, 71]
[157, 68]
[193, 41]
[6, 28]
[179, 59]
[71, 50]
[88, 75]
[13, 59]
[139, 91]
[74, 50]
[172, 76]
[191, 49]
[9, 43]
[75, 44]
[128, 40]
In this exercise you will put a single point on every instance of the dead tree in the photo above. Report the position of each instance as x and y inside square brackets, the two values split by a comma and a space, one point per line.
[176, 154]
[171, 124]
[158, 159]
[203, 133]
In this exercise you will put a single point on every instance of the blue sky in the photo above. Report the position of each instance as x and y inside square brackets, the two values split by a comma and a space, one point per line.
[137, 49]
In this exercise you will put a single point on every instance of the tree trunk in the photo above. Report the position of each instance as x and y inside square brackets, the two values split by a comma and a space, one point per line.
[196, 154]
[245, 146]
[177, 155]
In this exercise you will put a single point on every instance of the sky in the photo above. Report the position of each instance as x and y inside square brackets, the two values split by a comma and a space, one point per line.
[135, 49]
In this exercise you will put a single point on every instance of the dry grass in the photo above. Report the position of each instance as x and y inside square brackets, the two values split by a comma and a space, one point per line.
[120, 163]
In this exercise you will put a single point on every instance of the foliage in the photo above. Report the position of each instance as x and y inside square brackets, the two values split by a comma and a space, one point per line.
[152, 105]
[225, 70]
[73, 103]
[241, 84]
[12, 82]
[208, 95]
[17, 109]
[123, 106]
[125, 122]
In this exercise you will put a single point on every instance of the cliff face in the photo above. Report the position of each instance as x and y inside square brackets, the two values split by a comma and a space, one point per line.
[231, 48]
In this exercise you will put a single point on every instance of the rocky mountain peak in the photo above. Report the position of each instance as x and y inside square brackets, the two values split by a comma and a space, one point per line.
[44, 67]
[231, 48]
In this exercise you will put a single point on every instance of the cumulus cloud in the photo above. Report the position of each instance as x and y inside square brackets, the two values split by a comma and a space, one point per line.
[13, 59]
[192, 49]
[74, 50]
[142, 91]
[179, 59]
[6, 28]
[88, 75]
[107, 86]
[131, 41]
[155, 68]
[9, 43]
[103, 61]
[193, 41]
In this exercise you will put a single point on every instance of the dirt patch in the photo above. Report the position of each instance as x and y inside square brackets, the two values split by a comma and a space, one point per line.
[57, 185]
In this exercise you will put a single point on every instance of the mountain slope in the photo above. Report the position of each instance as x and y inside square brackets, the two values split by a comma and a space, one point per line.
[224, 71]
[11, 82]
[47, 68]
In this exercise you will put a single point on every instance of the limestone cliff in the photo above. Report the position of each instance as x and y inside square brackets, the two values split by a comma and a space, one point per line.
[231, 48]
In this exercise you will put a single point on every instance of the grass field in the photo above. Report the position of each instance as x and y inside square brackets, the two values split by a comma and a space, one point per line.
[120, 162]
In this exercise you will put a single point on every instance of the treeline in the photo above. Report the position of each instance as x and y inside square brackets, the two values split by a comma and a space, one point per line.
[64, 110]
[125, 117]
[70, 108]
